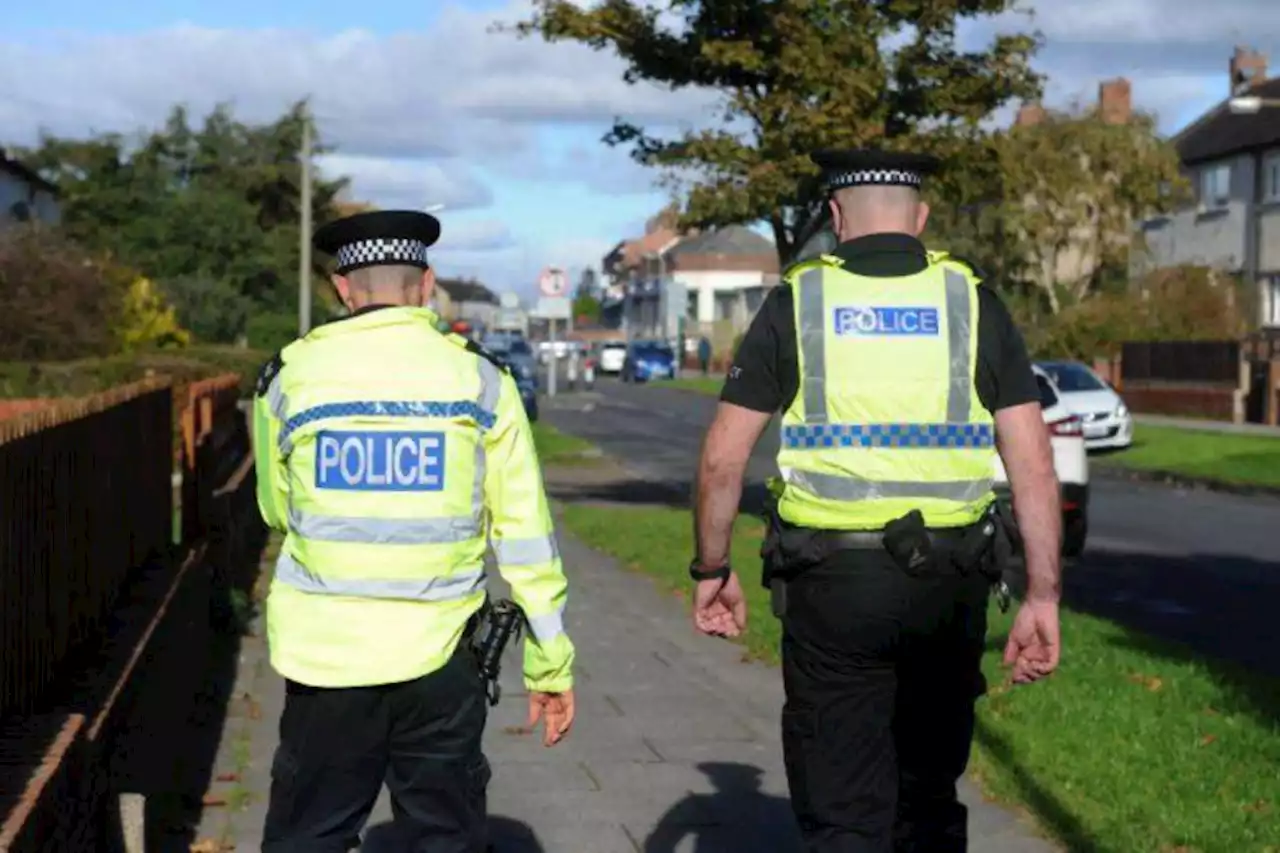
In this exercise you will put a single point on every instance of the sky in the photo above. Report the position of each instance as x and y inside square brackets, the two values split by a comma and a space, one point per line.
[425, 105]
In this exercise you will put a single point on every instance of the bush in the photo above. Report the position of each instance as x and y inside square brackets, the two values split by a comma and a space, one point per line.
[59, 302]
[272, 330]
[148, 320]
[1176, 304]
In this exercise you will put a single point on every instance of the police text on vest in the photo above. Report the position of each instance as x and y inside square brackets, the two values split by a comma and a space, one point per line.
[885, 320]
[380, 461]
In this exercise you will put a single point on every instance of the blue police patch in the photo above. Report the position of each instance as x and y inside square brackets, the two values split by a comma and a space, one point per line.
[380, 461]
[885, 320]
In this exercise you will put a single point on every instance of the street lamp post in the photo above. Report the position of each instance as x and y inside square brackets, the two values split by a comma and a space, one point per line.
[304, 238]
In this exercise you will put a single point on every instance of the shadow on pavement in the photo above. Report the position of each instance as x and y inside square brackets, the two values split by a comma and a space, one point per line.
[175, 724]
[505, 836]
[736, 818]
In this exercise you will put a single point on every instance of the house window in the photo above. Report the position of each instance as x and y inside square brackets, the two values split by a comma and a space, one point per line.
[1215, 185]
[1270, 288]
[1271, 177]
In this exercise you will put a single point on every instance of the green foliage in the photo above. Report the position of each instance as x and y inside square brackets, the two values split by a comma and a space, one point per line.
[272, 331]
[1056, 211]
[795, 76]
[210, 213]
[23, 379]
[60, 302]
[586, 308]
[148, 320]
[1177, 304]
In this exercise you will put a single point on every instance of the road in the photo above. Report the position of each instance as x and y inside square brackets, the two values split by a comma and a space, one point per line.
[1198, 567]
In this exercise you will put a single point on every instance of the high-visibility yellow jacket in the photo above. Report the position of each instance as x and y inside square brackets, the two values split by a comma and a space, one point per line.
[887, 418]
[391, 455]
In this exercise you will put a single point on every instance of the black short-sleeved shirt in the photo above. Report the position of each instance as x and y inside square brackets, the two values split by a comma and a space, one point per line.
[765, 375]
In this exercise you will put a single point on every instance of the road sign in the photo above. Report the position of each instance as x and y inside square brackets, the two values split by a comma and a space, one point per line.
[553, 308]
[553, 282]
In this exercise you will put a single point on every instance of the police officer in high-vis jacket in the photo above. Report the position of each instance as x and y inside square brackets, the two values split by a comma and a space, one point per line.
[391, 455]
[898, 376]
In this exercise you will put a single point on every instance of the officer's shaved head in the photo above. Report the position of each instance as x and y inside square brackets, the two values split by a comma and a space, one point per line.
[875, 209]
[386, 284]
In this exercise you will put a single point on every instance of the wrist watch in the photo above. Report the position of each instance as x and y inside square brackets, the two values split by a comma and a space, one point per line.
[699, 572]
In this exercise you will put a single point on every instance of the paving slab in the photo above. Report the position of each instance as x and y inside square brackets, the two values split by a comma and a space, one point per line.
[676, 748]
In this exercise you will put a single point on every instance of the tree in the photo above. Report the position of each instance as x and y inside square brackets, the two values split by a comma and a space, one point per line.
[218, 204]
[796, 76]
[1071, 189]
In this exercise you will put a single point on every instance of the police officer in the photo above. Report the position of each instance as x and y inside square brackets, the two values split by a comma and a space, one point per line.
[391, 455]
[897, 375]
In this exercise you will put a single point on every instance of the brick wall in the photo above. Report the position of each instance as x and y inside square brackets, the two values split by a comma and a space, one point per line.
[1178, 399]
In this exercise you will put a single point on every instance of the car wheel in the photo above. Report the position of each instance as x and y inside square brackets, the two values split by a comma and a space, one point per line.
[1075, 530]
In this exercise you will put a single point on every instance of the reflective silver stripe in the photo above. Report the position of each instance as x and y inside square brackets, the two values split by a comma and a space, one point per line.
[960, 388]
[813, 346]
[525, 552]
[487, 399]
[846, 488]
[383, 531]
[547, 626]
[291, 572]
[813, 330]
[490, 386]
[278, 401]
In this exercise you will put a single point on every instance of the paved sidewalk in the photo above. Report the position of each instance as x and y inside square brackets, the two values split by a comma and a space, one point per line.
[1263, 430]
[676, 747]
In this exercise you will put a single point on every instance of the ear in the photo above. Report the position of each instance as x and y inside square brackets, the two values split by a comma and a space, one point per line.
[836, 216]
[922, 217]
[343, 287]
[428, 284]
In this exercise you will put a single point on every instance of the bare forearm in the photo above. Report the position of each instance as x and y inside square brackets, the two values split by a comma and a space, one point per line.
[1037, 505]
[719, 492]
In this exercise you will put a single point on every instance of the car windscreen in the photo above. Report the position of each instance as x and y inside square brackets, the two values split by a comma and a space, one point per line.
[654, 352]
[1048, 398]
[519, 348]
[1072, 377]
[613, 347]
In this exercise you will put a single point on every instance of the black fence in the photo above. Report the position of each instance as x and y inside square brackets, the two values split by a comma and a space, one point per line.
[1181, 361]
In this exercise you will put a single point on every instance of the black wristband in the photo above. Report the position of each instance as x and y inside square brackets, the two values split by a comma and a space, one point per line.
[700, 573]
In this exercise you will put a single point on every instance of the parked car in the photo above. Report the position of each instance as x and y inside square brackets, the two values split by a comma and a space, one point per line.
[649, 360]
[1070, 461]
[613, 354]
[1105, 419]
[519, 357]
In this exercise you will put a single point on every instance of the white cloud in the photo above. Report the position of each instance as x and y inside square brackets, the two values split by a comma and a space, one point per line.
[461, 238]
[406, 183]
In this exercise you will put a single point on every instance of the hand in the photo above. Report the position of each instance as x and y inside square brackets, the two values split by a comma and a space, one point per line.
[556, 711]
[1034, 642]
[719, 607]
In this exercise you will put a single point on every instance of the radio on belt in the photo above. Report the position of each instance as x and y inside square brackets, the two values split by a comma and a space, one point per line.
[380, 461]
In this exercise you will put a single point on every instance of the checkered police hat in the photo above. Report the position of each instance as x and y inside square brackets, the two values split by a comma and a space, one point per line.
[393, 237]
[867, 168]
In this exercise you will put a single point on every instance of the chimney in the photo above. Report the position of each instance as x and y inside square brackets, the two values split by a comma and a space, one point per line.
[1115, 101]
[1248, 68]
[1029, 115]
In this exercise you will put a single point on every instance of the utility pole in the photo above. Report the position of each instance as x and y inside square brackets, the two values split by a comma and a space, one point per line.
[304, 238]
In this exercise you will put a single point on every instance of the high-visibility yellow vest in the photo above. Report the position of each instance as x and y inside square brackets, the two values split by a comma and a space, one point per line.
[392, 455]
[887, 418]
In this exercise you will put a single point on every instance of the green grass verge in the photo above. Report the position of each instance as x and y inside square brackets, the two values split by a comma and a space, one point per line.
[1228, 458]
[558, 448]
[1134, 745]
[709, 385]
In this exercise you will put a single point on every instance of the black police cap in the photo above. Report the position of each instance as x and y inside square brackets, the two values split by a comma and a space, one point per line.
[379, 237]
[872, 168]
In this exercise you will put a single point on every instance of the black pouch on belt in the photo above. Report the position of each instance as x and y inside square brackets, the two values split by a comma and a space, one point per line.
[909, 544]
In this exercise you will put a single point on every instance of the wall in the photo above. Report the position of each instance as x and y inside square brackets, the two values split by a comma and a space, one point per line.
[705, 283]
[1215, 238]
[1209, 401]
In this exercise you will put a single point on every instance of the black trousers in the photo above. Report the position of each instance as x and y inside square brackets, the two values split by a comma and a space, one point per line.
[882, 671]
[422, 738]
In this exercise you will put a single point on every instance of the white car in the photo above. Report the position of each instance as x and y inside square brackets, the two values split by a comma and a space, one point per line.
[613, 355]
[1070, 461]
[1104, 417]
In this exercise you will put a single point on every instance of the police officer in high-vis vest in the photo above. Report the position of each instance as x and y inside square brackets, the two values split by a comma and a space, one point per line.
[391, 456]
[898, 376]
